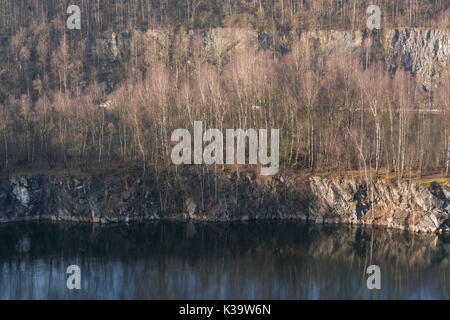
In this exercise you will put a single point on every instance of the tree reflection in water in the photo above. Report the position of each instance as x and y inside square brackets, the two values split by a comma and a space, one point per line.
[255, 260]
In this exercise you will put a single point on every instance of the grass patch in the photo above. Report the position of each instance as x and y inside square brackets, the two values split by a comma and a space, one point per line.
[387, 178]
[438, 181]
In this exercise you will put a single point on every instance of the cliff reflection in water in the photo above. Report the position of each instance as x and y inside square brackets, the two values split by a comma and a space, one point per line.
[258, 260]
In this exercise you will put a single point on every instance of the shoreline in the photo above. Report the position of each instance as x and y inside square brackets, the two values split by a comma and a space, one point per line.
[143, 220]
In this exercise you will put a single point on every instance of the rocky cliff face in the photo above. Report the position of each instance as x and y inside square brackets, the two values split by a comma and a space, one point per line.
[393, 204]
[129, 198]
[424, 53]
[421, 52]
[225, 198]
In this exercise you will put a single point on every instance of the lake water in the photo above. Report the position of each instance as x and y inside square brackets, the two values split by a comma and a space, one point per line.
[255, 260]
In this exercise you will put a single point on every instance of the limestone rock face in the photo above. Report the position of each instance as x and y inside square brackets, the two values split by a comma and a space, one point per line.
[422, 52]
[226, 197]
[393, 204]
[103, 200]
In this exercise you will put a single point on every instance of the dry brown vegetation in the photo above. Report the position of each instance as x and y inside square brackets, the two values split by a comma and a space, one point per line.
[266, 15]
[334, 113]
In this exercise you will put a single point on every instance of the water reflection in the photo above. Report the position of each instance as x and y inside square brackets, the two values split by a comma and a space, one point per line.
[257, 260]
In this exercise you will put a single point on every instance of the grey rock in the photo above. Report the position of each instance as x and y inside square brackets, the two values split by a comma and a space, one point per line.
[404, 205]
[322, 200]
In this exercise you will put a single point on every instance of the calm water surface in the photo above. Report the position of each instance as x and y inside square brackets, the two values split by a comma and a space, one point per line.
[255, 260]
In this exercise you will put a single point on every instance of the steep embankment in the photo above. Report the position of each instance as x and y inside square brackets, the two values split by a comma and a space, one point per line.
[401, 205]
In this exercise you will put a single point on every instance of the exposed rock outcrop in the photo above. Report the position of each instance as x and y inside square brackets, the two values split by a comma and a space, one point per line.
[422, 52]
[129, 198]
[226, 197]
[402, 205]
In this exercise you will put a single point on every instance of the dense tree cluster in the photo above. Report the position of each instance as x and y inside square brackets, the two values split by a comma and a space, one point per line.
[100, 15]
[333, 114]
[338, 113]
[35, 41]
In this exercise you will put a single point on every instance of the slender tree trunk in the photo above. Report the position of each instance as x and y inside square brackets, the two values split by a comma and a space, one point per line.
[6, 150]
[448, 156]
